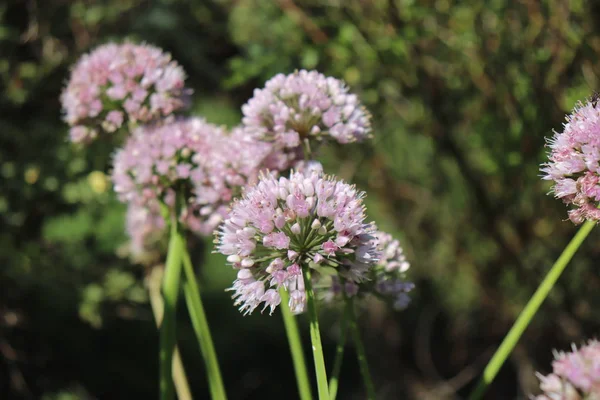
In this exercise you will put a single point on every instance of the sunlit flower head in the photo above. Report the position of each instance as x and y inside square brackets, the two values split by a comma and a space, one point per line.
[192, 158]
[575, 375]
[118, 84]
[305, 105]
[574, 163]
[282, 226]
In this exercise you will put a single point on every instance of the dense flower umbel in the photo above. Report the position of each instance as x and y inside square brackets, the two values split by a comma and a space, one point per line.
[282, 226]
[191, 157]
[574, 163]
[120, 83]
[386, 280]
[305, 104]
[575, 376]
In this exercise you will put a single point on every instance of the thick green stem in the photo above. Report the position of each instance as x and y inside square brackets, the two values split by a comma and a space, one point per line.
[168, 334]
[360, 350]
[315, 337]
[529, 311]
[200, 324]
[182, 387]
[339, 356]
[293, 335]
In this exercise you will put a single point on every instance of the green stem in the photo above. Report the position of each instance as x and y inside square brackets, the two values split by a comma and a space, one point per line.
[153, 281]
[293, 334]
[200, 324]
[168, 334]
[315, 337]
[529, 311]
[307, 150]
[360, 350]
[339, 356]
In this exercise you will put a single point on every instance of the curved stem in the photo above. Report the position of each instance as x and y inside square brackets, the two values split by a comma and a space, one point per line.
[168, 332]
[315, 337]
[293, 334]
[529, 311]
[360, 350]
[200, 324]
[339, 355]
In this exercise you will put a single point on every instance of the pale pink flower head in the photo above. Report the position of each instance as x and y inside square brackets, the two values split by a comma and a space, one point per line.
[305, 105]
[196, 160]
[574, 163]
[575, 375]
[255, 155]
[145, 227]
[281, 227]
[386, 280]
[120, 84]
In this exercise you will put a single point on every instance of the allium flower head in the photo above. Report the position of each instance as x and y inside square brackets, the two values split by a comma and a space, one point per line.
[120, 83]
[282, 226]
[144, 226]
[574, 164]
[386, 279]
[192, 158]
[575, 375]
[302, 105]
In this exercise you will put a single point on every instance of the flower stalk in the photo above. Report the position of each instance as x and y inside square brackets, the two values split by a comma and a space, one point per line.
[182, 387]
[339, 355]
[293, 335]
[200, 325]
[360, 350]
[513, 336]
[168, 332]
[315, 337]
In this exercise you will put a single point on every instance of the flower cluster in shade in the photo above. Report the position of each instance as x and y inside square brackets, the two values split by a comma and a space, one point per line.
[305, 105]
[200, 162]
[575, 375]
[574, 163]
[117, 84]
[386, 280]
[281, 227]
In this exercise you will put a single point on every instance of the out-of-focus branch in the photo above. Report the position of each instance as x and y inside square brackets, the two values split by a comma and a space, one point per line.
[303, 20]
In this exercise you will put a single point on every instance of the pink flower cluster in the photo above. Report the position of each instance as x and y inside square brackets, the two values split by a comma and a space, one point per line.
[574, 163]
[121, 83]
[575, 376]
[386, 279]
[144, 226]
[282, 226]
[190, 157]
[303, 105]
[389, 274]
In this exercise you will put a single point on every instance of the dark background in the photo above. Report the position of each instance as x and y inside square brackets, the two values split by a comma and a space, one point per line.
[463, 95]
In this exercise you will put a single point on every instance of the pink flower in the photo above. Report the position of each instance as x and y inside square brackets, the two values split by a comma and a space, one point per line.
[329, 248]
[305, 105]
[277, 240]
[576, 375]
[145, 226]
[386, 279]
[574, 163]
[111, 86]
[190, 156]
[297, 234]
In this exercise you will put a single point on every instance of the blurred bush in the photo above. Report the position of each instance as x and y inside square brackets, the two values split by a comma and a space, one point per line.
[462, 96]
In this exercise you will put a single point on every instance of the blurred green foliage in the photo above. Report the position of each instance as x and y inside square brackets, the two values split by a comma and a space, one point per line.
[463, 96]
